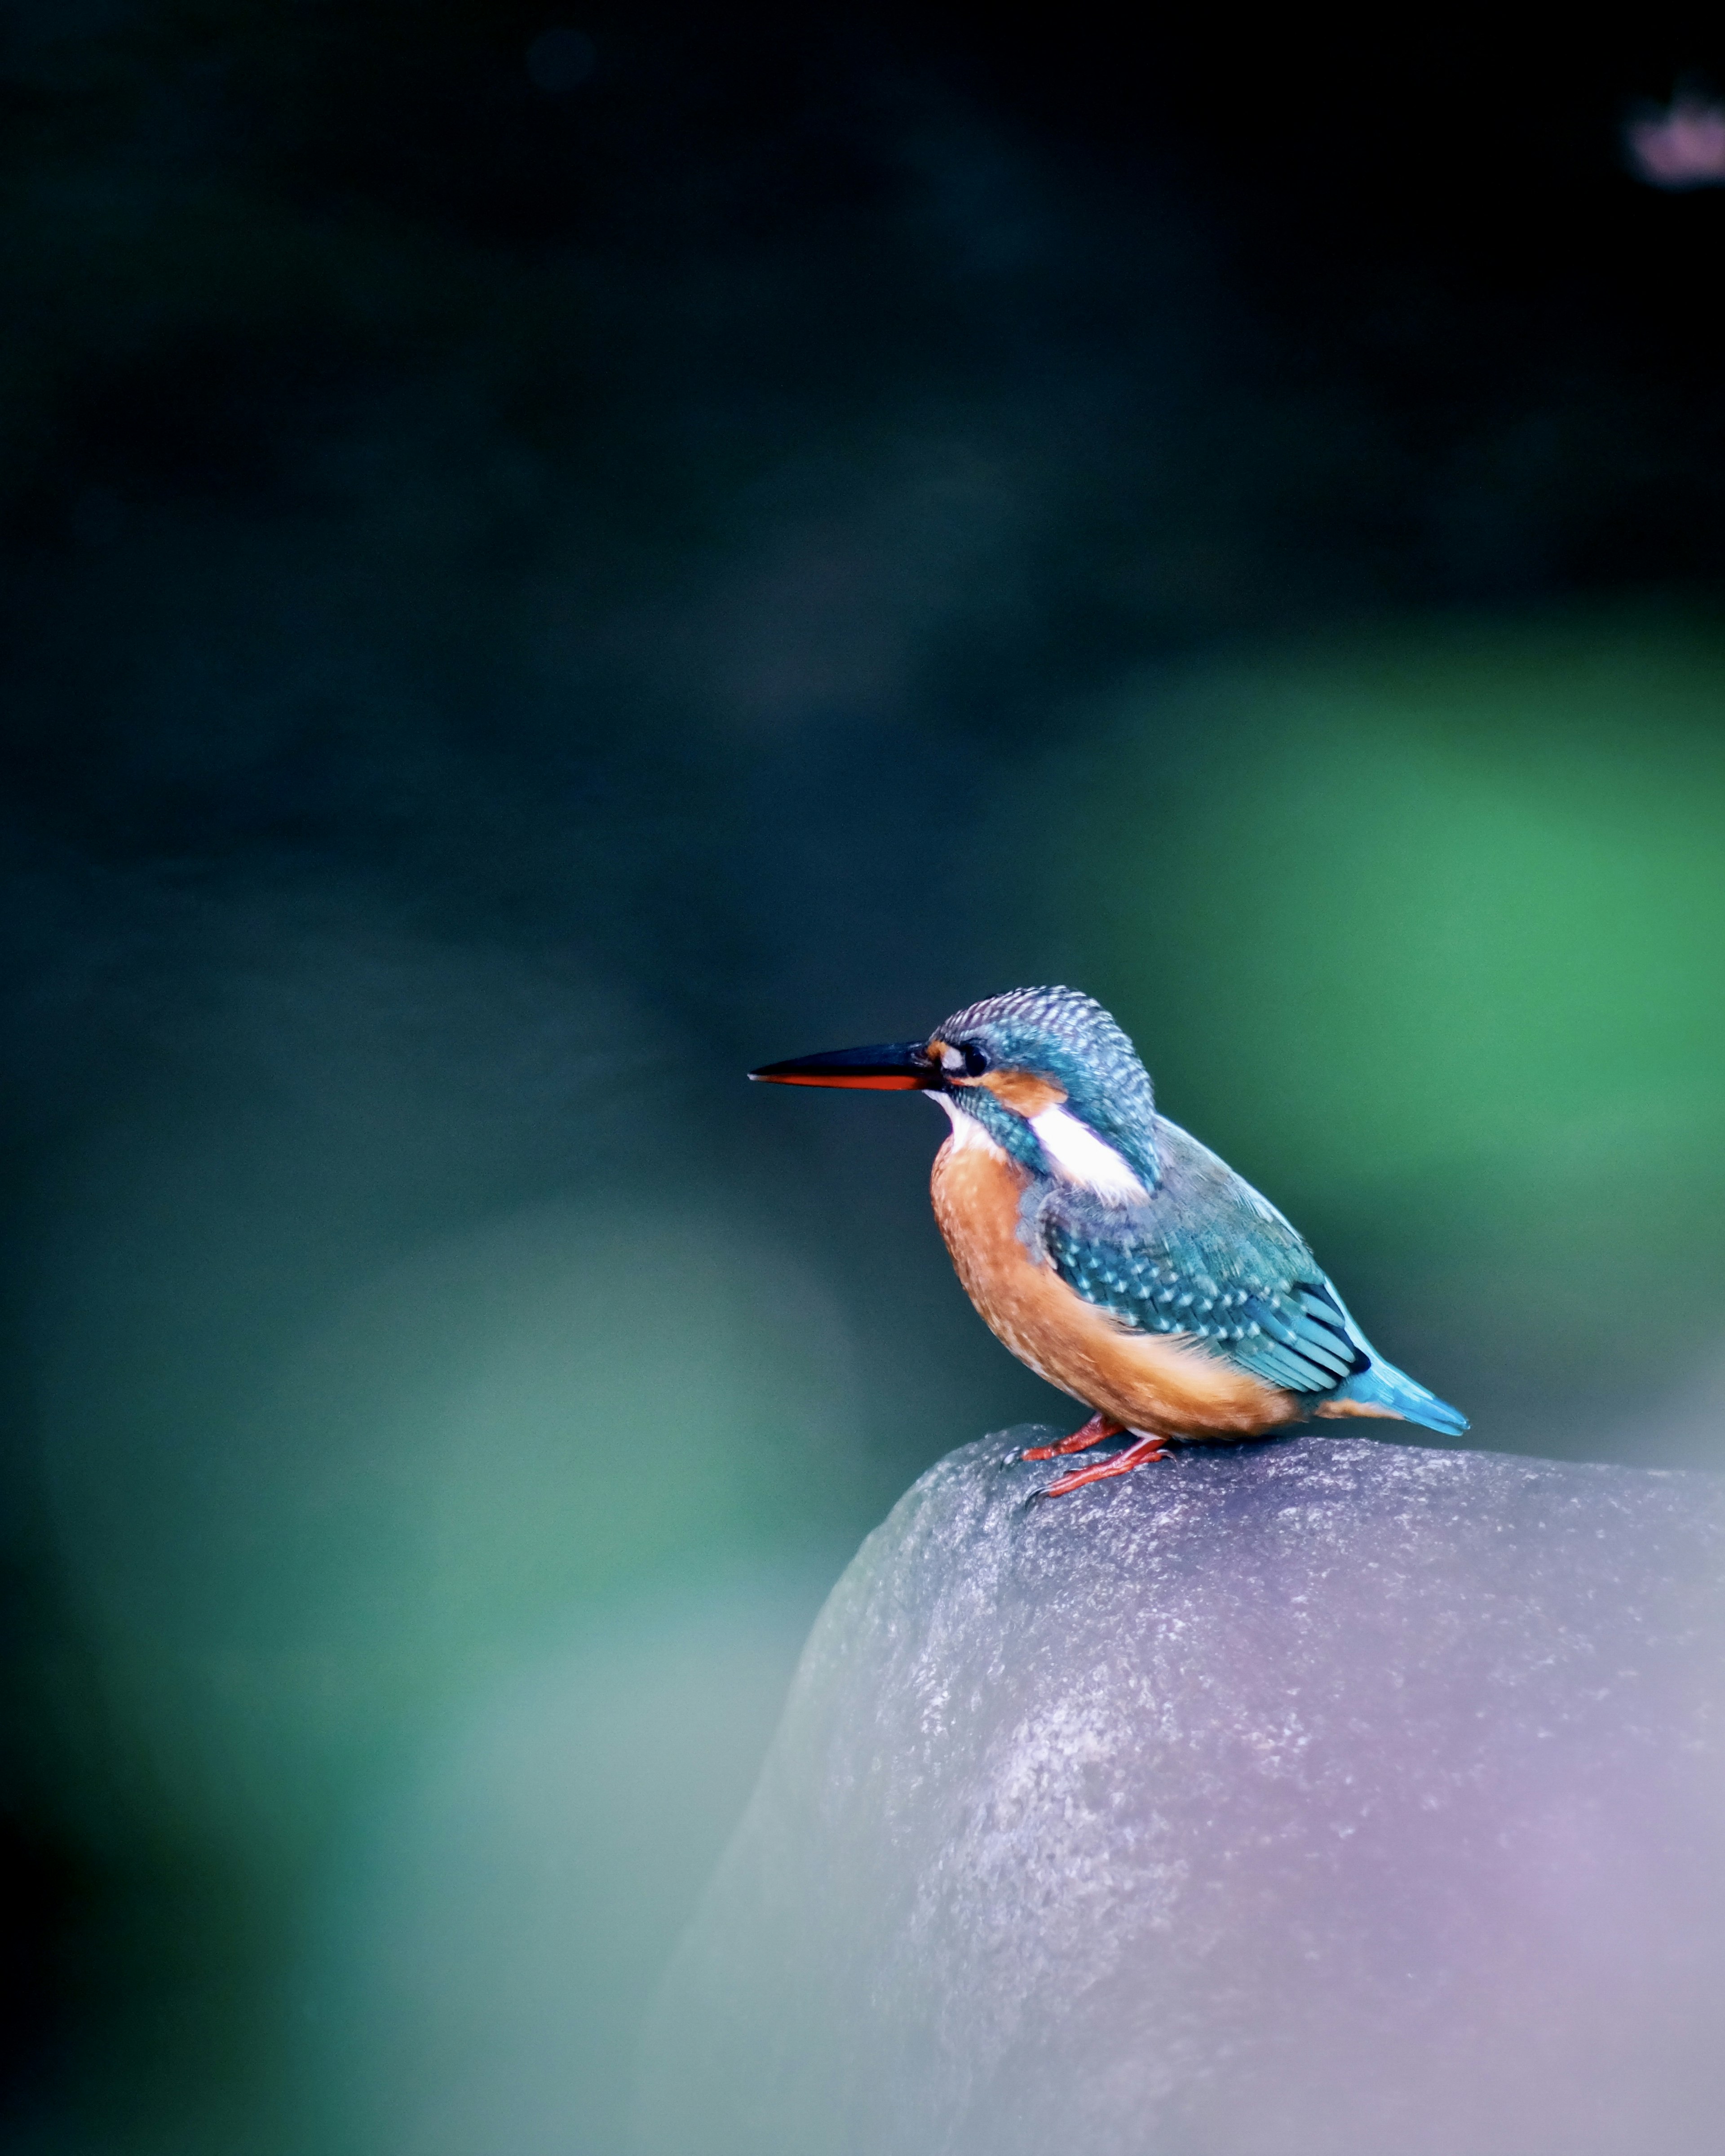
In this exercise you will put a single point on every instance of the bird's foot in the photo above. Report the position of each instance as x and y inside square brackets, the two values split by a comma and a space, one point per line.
[1136, 1455]
[1096, 1431]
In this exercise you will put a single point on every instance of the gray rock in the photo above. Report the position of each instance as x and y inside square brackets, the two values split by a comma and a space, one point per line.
[1324, 1796]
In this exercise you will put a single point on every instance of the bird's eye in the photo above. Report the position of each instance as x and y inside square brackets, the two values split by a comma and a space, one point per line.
[976, 1059]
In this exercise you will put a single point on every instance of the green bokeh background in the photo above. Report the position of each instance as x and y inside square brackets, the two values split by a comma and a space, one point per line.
[520, 602]
[1426, 931]
[446, 1446]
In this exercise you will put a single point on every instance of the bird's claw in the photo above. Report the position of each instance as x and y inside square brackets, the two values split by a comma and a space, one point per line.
[1141, 1455]
[1100, 1429]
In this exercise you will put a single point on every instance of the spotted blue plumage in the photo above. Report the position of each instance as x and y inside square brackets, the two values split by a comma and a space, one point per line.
[1201, 1254]
[1067, 1036]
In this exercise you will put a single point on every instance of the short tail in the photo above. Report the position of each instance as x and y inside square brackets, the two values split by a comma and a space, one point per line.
[1381, 1389]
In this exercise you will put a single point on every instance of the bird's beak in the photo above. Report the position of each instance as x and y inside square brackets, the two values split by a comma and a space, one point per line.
[896, 1067]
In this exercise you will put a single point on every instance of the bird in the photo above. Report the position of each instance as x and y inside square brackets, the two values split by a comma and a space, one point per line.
[1108, 1248]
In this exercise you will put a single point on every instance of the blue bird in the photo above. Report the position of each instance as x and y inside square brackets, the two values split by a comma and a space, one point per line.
[1122, 1259]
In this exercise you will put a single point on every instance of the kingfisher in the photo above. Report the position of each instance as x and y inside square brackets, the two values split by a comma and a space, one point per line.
[1126, 1263]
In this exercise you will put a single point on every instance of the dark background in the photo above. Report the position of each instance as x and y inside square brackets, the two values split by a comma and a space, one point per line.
[550, 557]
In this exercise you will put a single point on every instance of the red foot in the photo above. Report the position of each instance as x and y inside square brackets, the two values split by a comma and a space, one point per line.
[1096, 1431]
[1136, 1455]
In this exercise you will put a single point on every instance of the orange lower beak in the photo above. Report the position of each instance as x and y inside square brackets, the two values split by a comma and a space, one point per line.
[898, 1067]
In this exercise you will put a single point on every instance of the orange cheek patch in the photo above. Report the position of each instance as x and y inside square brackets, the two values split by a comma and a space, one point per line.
[1023, 1091]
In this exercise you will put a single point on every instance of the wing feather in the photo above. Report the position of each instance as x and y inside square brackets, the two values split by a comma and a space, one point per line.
[1203, 1257]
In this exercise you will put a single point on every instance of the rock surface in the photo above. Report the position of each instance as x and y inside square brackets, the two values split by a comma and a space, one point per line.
[1324, 1796]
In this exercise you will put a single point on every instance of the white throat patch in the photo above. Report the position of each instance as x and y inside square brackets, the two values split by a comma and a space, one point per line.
[1077, 1155]
[967, 1130]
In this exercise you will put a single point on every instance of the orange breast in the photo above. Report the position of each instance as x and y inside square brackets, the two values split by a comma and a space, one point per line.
[1167, 1383]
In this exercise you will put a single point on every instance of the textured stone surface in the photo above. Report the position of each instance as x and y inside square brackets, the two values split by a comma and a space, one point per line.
[1324, 1796]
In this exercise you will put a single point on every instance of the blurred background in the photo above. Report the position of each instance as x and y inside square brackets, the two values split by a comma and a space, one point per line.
[551, 556]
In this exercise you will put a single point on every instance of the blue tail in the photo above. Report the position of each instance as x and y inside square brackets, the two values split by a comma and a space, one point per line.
[1382, 1385]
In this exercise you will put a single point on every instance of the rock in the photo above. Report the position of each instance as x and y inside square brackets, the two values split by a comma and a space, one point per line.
[1322, 1795]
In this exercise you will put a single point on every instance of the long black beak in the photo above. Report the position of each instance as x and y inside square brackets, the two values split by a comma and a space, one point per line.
[896, 1067]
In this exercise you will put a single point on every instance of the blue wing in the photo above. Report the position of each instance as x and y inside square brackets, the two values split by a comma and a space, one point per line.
[1208, 1257]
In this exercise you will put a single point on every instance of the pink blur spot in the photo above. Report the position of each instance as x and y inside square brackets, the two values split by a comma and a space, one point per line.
[1683, 146]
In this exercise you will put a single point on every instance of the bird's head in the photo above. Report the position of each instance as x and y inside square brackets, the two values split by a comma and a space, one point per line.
[1045, 1074]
